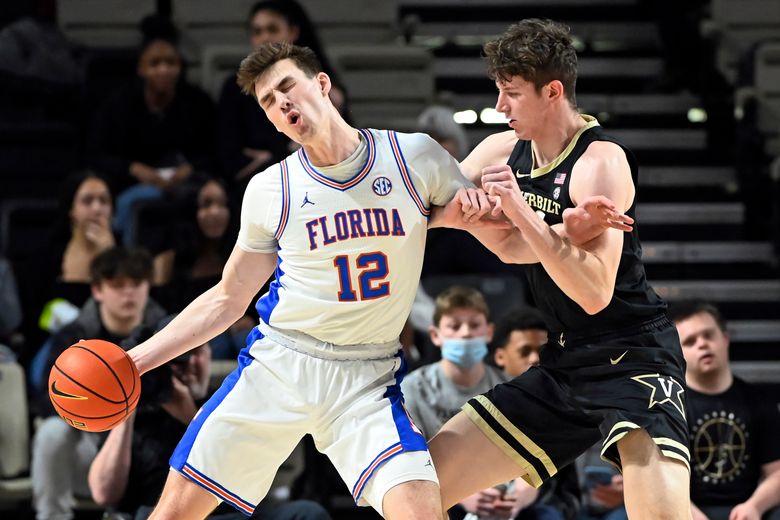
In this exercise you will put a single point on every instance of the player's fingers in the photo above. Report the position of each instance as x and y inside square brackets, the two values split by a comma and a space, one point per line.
[502, 177]
[496, 168]
[484, 205]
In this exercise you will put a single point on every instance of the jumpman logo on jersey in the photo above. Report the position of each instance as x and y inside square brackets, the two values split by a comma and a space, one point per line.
[306, 200]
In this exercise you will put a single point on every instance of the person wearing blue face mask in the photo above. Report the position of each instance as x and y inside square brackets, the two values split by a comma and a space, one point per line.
[436, 392]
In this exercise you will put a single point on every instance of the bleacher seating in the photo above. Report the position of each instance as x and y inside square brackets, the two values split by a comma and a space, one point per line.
[388, 85]
[103, 23]
[736, 26]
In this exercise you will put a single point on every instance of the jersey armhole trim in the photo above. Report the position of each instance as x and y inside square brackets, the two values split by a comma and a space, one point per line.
[404, 170]
[285, 175]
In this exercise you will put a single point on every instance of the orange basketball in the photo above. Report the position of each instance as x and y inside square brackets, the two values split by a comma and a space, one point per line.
[94, 385]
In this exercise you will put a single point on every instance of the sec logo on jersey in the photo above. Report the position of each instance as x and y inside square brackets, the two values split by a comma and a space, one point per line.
[382, 186]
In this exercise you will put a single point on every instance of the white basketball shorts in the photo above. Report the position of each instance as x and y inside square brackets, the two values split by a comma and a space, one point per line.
[348, 398]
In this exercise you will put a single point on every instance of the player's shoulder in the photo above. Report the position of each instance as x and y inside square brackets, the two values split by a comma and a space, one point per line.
[504, 140]
[600, 155]
[415, 141]
[264, 179]
[494, 149]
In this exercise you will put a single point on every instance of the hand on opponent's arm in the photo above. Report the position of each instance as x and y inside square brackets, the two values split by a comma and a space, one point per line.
[585, 272]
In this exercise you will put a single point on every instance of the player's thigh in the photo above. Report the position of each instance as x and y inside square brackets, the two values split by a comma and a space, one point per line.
[182, 499]
[240, 437]
[368, 435]
[467, 461]
[411, 500]
[656, 486]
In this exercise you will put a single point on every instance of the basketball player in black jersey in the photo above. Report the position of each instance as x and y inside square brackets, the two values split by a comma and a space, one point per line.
[613, 371]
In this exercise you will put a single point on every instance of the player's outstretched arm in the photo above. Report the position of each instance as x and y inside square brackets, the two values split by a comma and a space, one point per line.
[585, 273]
[211, 313]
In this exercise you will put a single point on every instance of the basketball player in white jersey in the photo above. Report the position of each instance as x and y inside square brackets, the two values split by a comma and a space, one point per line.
[342, 224]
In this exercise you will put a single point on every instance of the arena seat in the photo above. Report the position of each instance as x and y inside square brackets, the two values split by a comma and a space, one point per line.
[14, 435]
[104, 23]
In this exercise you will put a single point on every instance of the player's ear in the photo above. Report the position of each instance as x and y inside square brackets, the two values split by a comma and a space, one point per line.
[554, 90]
[324, 82]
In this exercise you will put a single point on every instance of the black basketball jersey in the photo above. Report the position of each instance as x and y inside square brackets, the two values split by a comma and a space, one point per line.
[547, 191]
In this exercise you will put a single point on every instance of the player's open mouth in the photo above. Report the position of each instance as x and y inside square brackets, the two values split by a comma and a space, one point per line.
[293, 117]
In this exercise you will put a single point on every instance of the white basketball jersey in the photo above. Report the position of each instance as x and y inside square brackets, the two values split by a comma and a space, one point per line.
[350, 253]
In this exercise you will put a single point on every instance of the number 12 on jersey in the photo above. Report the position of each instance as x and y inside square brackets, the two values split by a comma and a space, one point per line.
[373, 270]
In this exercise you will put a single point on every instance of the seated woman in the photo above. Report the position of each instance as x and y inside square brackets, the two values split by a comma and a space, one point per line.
[248, 142]
[80, 233]
[150, 135]
[203, 242]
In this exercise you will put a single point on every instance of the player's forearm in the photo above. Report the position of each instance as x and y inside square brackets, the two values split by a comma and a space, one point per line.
[207, 316]
[767, 494]
[580, 274]
[109, 472]
[508, 245]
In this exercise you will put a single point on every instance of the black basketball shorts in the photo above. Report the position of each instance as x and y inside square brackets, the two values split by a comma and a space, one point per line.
[590, 389]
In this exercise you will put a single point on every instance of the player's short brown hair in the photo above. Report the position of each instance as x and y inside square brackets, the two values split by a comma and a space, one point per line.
[539, 51]
[459, 297]
[266, 55]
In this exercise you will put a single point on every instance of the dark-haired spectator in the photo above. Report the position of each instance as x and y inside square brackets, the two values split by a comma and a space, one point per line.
[120, 281]
[152, 134]
[202, 245]
[735, 457]
[248, 142]
[55, 282]
[519, 336]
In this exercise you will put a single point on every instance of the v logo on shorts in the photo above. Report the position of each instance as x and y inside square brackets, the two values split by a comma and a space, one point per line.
[665, 389]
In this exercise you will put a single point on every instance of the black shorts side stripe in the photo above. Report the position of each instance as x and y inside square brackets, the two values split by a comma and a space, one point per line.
[511, 440]
[669, 447]
[675, 450]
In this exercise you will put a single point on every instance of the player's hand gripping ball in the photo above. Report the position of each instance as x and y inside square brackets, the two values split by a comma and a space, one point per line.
[94, 385]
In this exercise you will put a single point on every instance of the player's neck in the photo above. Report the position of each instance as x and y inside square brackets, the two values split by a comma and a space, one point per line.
[465, 377]
[556, 136]
[335, 142]
[714, 383]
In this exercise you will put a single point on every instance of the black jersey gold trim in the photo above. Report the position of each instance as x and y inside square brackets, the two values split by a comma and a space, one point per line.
[538, 172]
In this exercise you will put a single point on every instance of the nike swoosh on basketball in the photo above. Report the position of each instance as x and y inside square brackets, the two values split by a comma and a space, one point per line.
[617, 360]
[56, 391]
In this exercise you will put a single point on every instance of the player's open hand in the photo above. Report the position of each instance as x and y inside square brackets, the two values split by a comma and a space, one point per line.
[499, 182]
[592, 217]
